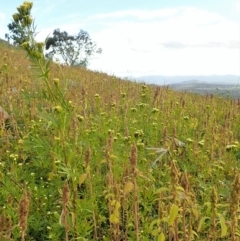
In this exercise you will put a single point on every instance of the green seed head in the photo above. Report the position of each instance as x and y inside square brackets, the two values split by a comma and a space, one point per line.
[123, 94]
[25, 45]
[56, 81]
[80, 118]
[96, 96]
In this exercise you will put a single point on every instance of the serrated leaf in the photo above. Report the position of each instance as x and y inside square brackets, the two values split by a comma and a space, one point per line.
[82, 178]
[161, 237]
[173, 214]
[128, 187]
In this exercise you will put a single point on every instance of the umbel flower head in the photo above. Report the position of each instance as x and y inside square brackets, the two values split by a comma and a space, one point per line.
[27, 20]
[16, 17]
[25, 8]
[25, 46]
[23, 16]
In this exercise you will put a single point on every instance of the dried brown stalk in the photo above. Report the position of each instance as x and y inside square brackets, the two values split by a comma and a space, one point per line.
[23, 214]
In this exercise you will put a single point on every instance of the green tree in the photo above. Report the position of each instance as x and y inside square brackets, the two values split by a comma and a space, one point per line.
[17, 28]
[73, 50]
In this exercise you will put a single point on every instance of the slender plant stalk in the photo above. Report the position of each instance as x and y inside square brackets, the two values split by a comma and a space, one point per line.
[234, 206]
[64, 214]
[23, 214]
[87, 163]
[174, 183]
[214, 200]
[133, 162]
[185, 185]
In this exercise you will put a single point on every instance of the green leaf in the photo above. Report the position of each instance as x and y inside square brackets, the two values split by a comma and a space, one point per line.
[155, 232]
[179, 188]
[82, 178]
[224, 228]
[237, 233]
[162, 189]
[208, 205]
[161, 237]
[114, 218]
[194, 233]
[195, 212]
[173, 214]
[202, 221]
[155, 221]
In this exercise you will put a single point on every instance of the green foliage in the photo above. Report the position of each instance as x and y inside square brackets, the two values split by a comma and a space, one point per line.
[18, 31]
[130, 162]
[73, 50]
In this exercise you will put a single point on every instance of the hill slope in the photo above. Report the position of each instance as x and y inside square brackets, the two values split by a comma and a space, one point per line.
[89, 156]
[4, 42]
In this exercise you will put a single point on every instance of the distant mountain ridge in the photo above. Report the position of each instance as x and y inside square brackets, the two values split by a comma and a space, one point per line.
[167, 80]
[221, 85]
[187, 82]
[201, 87]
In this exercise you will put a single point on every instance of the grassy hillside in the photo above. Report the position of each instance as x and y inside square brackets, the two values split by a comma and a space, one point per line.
[3, 42]
[87, 156]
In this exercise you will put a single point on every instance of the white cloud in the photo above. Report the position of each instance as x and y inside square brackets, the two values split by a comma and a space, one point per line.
[139, 14]
[172, 41]
[187, 41]
[237, 4]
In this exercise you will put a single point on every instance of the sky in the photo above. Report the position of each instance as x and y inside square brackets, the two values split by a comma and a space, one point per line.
[142, 38]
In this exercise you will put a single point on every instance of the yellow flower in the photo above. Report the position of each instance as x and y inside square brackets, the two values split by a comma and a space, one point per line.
[58, 108]
[28, 20]
[16, 17]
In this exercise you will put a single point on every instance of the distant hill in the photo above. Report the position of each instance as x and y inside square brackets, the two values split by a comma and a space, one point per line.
[167, 80]
[190, 82]
[202, 87]
[2, 41]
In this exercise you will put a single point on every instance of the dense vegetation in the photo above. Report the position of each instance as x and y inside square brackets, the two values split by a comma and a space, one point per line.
[85, 170]
[87, 156]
